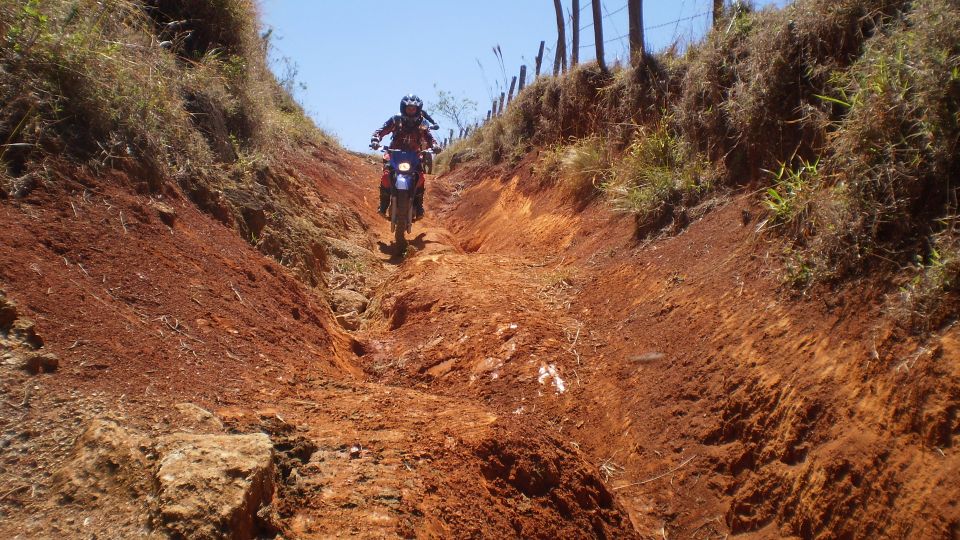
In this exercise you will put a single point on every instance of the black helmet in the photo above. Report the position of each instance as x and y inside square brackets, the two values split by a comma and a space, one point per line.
[411, 100]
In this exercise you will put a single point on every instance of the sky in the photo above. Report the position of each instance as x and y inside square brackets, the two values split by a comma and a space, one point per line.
[358, 58]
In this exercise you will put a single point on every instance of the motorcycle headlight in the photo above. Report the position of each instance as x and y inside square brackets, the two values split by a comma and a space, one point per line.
[404, 167]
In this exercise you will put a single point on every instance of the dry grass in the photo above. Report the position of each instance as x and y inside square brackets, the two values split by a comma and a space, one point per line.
[657, 176]
[173, 92]
[843, 112]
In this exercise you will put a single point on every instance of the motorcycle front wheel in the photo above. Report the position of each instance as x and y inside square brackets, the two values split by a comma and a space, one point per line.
[402, 210]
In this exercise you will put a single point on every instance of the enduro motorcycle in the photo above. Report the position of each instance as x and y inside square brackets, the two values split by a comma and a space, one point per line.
[405, 170]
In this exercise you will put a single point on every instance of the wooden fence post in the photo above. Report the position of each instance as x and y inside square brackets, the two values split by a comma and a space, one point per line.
[523, 79]
[503, 96]
[451, 139]
[489, 114]
[539, 60]
[513, 85]
[560, 58]
[598, 34]
[635, 12]
[575, 53]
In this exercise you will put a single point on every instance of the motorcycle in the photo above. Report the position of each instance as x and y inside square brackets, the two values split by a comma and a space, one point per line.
[405, 170]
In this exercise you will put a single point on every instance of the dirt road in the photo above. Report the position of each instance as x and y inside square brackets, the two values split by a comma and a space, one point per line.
[525, 370]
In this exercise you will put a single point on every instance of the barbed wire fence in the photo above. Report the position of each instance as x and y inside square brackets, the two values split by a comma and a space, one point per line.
[499, 106]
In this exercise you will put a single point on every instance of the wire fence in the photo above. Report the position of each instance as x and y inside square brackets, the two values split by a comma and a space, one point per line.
[654, 27]
[499, 105]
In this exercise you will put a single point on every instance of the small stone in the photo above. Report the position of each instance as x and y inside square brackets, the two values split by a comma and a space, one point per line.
[195, 418]
[35, 363]
[166, 212]
[347, 301]
[25, 330]
[349, 321]
[355, 452]
[8, 313]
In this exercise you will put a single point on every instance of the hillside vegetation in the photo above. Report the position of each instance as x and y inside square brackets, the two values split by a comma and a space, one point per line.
[170, 93]
[845, 116]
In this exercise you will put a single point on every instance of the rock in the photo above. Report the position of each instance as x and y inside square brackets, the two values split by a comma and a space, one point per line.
[167, 213]
[25, 331]
[352, 254]
[196, 419]
[107, 461]
[8, 313]
[347, 301]
[38, 362]
[212, 486]
[349, 321]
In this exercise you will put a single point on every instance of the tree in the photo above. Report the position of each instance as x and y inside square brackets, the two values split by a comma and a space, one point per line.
[598, 34]
[458, 110]
[637, 49]
[561, 57]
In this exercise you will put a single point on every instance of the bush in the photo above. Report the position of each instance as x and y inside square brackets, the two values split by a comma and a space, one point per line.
[658, 172]
[892, 156]
[929, 299]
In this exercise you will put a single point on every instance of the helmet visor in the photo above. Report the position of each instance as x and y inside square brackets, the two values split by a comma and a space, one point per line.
[410, 110]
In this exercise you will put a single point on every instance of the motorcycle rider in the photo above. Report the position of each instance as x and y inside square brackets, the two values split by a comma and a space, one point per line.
[411, 132]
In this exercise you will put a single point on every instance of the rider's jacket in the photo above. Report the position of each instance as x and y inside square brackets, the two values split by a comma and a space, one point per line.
[411, 135]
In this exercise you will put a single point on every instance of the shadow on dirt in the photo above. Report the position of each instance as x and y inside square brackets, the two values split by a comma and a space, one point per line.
[419, 243]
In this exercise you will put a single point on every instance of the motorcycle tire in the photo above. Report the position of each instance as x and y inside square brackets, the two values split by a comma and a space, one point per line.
[402, 210]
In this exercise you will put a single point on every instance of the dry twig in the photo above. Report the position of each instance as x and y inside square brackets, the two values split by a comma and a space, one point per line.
[234, 289]
[659, 476]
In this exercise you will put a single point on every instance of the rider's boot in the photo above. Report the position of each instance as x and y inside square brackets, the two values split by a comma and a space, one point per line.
[384, 201]
[418, 203]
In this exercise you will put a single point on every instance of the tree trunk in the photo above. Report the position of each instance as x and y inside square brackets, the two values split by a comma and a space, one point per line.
[635, 12]
[561, 56]
[575, 53]
[717, 12]
[598, 34]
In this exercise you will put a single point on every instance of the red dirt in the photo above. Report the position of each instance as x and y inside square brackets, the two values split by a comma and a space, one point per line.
[700, 398]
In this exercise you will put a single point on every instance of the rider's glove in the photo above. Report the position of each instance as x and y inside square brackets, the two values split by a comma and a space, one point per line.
[375, 143]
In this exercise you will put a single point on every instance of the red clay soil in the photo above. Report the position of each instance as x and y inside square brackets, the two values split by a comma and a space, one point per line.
[524, 370]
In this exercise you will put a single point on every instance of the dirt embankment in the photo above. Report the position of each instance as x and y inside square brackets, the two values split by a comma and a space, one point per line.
[711, 398]
[526, 370]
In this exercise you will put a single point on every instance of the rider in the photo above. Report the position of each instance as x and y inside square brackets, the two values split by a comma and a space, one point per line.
[411, 132]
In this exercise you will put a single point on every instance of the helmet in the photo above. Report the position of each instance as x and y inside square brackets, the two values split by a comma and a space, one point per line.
[411, 100]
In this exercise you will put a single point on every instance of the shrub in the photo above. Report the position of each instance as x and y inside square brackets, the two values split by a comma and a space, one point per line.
[658, 172]
[789, 197]
[892, 156]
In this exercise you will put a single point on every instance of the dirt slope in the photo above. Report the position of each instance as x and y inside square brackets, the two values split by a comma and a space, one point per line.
[782, 416]
[526, 370]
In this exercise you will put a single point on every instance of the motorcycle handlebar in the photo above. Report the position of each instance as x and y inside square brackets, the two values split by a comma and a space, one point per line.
[388, 149]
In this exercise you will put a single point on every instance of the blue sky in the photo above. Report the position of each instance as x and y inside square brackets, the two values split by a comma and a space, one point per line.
[357, 58]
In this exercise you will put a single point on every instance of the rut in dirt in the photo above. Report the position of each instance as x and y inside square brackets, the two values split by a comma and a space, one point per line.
[676, 368]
